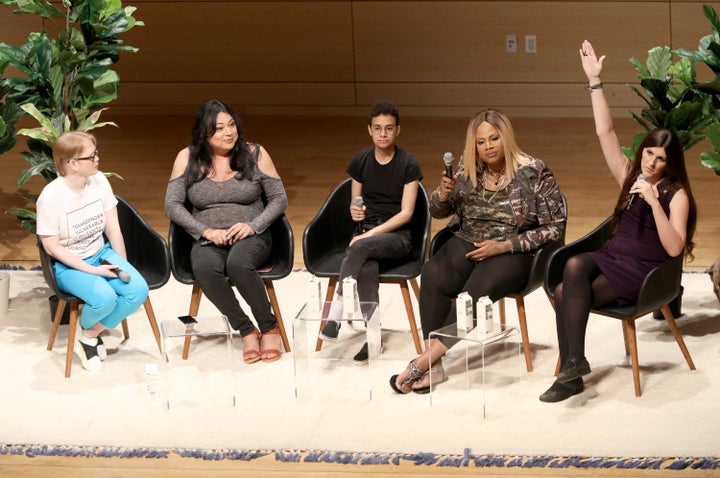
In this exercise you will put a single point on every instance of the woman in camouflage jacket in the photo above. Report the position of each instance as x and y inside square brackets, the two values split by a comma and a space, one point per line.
[505, 205]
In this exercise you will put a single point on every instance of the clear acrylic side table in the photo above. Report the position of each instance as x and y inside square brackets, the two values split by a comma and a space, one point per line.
[472, 342]
[331, 372]
[207, 377]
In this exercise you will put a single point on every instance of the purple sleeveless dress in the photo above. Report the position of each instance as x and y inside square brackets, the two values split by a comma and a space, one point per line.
[635, 249]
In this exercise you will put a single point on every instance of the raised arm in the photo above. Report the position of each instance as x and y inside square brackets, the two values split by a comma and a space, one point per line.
[614, 157]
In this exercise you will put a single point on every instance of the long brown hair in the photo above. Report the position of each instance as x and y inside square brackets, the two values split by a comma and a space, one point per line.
[675, 174]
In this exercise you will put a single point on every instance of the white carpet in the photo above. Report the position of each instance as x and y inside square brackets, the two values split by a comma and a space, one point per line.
[676, 416]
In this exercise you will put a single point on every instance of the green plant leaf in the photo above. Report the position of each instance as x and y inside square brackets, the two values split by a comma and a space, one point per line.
[659, 60]
[712, 161]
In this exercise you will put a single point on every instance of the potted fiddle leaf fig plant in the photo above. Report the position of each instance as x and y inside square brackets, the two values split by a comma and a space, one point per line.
[63, 81]
[675, 100]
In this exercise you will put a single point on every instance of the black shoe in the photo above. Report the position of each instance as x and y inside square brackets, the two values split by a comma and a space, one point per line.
[573, 369]
[86, 349]
[330, 331]
[560, 391]
[362, 355]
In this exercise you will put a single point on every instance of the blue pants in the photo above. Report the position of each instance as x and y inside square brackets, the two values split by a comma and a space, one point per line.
[107, 300]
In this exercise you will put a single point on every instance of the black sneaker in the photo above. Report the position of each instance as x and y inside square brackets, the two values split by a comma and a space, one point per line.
[362, 355]
[330, 331]
[88, 353]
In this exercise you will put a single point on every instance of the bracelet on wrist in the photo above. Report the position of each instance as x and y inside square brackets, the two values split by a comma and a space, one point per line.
[596, 86]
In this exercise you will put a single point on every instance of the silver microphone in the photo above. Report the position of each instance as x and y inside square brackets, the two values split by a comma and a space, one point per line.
[358, 202]
[641, 177]
[448, 160]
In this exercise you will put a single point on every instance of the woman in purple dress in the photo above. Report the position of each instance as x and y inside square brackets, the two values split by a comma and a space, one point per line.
[654, 219]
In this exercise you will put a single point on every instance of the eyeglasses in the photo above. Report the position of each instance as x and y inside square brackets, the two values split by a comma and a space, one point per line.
[89, 158]
[377, 129]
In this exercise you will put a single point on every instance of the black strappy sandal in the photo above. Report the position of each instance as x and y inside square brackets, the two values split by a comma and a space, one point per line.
[414, 375]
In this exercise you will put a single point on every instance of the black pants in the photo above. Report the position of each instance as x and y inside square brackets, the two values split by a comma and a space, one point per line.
[217, 269]
[361, 261]
[449, 272]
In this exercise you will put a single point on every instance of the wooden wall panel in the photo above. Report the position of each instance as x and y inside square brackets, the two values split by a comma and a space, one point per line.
[212, 41]
[465, 41]
[431, 57]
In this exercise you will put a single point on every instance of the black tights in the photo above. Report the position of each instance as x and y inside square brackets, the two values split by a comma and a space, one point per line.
[583, 287]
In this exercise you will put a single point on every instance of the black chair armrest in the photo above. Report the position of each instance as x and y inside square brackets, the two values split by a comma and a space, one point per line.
[661, 285]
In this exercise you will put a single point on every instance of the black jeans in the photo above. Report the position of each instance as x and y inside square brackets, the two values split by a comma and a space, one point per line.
[361, 261]
[449, 272]
[217, 269]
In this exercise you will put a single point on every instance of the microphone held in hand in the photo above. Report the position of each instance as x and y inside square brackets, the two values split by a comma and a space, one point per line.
[124, 276]
[641, 177]
[448, 160]
[358, 202]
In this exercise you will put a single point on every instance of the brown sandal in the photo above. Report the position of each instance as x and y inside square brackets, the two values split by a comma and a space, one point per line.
[269, 355]
[251, 355]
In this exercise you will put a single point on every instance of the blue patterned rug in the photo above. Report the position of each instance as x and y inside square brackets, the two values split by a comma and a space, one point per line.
[468, 459]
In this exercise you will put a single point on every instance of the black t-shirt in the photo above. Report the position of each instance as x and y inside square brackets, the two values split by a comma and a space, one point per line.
[382, 184]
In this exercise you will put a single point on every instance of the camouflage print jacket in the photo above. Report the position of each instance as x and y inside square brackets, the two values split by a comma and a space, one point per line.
[536, 201]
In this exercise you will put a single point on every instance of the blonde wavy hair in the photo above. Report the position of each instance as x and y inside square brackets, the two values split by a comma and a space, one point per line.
[514, 157]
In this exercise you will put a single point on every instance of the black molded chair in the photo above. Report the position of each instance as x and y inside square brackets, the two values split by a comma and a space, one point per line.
[279, 266]
[328, 234]
[535, 280]
[660, 287]
[146, 250]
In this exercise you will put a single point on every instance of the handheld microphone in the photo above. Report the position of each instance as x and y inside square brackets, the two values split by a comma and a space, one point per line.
[448, 160]
[124, 276]
[358, 202]
[641, 177]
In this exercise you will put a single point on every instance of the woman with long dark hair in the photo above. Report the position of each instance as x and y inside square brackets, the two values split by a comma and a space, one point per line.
[235, 194]
[654, 219]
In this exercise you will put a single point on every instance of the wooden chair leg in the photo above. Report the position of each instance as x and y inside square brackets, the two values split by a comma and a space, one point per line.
[332, 284]
[501, 309]
[126, 330]
[632, 342]
[411, 315]
[678, 336]
[558, 366]
[56, 323]
[72, 328]
[153, 322]
[522, 319]
[276, 309]
[415, 288]
[194, 307]
[625, 337]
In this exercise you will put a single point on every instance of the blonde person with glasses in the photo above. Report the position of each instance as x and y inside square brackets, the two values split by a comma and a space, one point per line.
[235, 194]
[73, 213]
[387, 178]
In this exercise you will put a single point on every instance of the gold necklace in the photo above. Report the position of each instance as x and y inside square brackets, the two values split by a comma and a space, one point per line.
[496, 176]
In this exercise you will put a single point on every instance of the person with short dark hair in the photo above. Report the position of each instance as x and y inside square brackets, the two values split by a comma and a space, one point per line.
[236, 194]
[387, 178]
